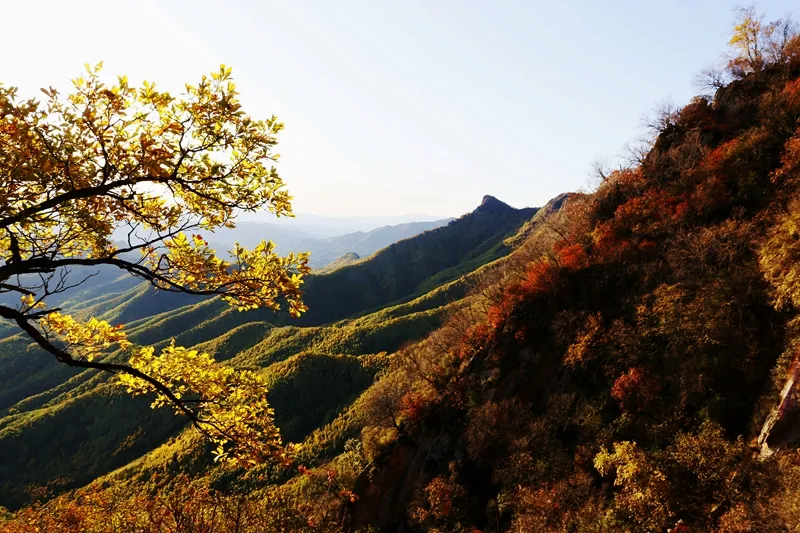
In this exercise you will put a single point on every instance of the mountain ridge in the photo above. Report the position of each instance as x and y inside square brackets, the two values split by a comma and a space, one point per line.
[392, 274]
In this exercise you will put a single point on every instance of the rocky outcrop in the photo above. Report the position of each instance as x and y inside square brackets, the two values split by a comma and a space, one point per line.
[782, 427]
[385, 492]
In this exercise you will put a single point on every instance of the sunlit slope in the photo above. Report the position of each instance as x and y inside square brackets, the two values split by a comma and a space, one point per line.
[405, 269]
[317, 387]
[314, 374]
[43, 401]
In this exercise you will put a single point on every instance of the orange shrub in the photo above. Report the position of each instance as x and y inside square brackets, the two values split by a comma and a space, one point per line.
[572, 257]
[791, 94]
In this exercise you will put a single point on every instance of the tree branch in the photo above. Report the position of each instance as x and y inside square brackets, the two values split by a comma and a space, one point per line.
[77, 194]
[66, 358]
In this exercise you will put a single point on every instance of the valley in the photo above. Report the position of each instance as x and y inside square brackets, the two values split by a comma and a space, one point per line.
[180, 352]
[358, 314]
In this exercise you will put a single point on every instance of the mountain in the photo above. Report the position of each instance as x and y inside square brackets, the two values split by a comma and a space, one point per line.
[642, 375]
[414, 266]
[401, 270]
[322, 227]
[625, 359]
[110, 282]
[325, 243]
[366, 306]
[324, 250]
[361, 243]
[339, 262]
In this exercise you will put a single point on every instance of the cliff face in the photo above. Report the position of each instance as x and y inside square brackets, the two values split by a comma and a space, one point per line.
[782, 426]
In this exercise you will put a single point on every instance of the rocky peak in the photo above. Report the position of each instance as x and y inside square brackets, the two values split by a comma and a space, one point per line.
[491, 204]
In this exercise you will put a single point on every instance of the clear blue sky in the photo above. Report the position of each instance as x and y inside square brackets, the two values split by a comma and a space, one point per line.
[403, 106]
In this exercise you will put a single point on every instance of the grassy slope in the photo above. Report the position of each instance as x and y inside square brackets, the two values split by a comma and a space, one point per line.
[50, 401]
[291, 355]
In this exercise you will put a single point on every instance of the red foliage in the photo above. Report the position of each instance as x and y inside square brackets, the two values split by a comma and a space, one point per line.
[680, 210]
[698, 114]
[605, 238]
[443, 501]
[728, 167]
[715, 161]
[479, 336]
[571, 256]
[541, 277]
[634, 389]
[790, 160]
[609, 244]
[635, 210]
[627, 176]
[496, 316]
[636, 223]
[646, 211]
[413, 405]
[791, 94]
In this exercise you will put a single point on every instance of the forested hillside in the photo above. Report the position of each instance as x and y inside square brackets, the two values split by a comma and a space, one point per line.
[624, 359]
[89, 427]
[641, 377]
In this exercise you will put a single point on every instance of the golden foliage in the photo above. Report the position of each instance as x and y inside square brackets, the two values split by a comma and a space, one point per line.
[643, 487]
[578, 351]
[182, 508]
[79, 170]
[231, 406]
[103, 158]
[85, 339]
[779, 257]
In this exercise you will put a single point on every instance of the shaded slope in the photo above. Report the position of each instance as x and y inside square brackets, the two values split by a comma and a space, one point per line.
[398, 270]
[362, 243]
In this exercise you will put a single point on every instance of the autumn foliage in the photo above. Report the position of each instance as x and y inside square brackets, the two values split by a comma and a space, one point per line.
[615, 374]
[614, 382]
[124, 177]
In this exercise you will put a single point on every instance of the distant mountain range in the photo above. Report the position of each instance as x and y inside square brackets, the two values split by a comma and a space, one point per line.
[324, 250]
[321, 227]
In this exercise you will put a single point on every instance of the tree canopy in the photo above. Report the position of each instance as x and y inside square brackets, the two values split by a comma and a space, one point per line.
[756, 43]
[128, 177]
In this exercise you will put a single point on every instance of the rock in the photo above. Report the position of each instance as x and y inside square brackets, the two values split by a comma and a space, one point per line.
[782, 426]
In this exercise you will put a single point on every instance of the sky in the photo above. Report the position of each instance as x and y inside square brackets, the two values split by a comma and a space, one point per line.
[404, 106]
